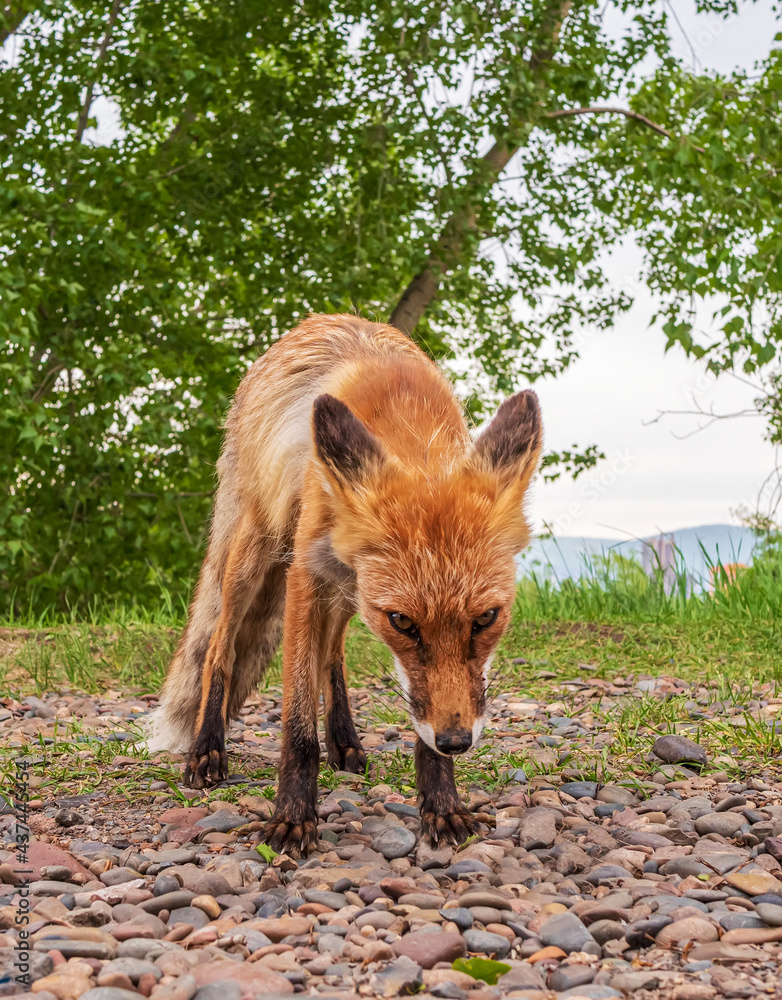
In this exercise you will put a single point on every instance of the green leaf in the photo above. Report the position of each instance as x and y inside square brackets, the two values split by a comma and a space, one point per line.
[266, 852]
[481, 968]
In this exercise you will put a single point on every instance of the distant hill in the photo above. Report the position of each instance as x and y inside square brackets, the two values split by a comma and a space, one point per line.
[567, 556]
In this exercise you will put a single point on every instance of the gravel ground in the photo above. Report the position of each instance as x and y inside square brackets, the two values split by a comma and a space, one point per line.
[664, 886]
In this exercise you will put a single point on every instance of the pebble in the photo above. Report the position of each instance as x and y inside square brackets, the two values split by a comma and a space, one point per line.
[770, 913]
[753, 883]
[566, 931]
[538, 828]
[494, 945]
[403, 976]
[675, 748]
[680, 932]
[583, 890]
[427, 949]
[395, 842]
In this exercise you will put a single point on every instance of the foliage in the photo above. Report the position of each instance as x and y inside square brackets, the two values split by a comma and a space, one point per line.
[182, 182]
[481, 968]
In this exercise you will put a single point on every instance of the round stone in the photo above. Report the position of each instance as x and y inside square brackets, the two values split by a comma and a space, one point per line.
[726, 824]
[395, 842]
[769, 913]
[460, 915]
[579, 789]
[487, 943]
[675, 749]
[565, 931]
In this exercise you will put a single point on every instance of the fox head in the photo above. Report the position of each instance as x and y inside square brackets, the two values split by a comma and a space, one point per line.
[433, 552]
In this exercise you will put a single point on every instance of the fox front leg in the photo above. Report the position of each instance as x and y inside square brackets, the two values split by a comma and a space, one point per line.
[294, 825]
[444, 819]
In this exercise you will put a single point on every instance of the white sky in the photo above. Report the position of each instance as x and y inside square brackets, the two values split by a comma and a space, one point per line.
[653, 479]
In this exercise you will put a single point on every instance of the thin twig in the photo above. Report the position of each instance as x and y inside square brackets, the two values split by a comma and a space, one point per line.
[634, 115]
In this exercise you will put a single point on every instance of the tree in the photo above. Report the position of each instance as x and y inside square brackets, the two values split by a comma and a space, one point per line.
[437, 162]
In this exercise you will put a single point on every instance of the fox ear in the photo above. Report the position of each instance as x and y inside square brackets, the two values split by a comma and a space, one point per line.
[511, 444]
[343, 444]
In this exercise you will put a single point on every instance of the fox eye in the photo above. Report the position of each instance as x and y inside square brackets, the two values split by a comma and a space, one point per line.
[403, 624]
[485, 620]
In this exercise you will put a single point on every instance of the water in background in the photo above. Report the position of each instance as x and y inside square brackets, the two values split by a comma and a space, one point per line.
[692, 552]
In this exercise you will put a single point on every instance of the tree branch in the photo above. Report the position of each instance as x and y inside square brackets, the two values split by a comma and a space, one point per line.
[11, 17]
[443, 257]
[84, 114]
[634, 115]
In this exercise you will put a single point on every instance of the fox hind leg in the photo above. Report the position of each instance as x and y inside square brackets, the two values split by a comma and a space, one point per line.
[343, 748]
[258, 638]
[244, 573]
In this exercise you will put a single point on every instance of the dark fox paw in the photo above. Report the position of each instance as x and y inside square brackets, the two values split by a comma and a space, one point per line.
[351, 759]
[291, 836]
[446, 828]
[207, 762]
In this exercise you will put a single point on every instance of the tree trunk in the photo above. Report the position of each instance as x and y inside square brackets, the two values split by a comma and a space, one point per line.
[443, 257]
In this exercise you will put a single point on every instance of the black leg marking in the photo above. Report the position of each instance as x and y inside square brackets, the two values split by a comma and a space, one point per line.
[443, 817]
[294, 825]
[207, 762]
[343, 748]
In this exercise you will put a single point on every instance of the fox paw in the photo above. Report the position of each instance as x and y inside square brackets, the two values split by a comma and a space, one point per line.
[446, 828]
[351, 759]
[207, 762]
[291, 836]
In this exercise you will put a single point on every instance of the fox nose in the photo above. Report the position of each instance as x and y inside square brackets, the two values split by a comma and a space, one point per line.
[453, 741]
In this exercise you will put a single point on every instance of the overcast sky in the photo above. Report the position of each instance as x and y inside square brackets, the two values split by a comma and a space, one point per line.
[656, 478]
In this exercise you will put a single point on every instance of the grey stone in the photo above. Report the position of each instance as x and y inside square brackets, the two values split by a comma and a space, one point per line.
[75, 949]
[330, 944]
[606, 930]
[579, 789]
[565, 931]
[455, 871]
[395, 842]
[605, 873]
[222, 821]
[737, 921]
[46, 888]
[116, 876]
[133, 968]
[487, 943]
[460, 915]
[402, 977]
[188, 915]
[165, 884]
[691, 865]
[675, 748]
[568, 976]
[641, 933]
[168, 901]
[334, 900]
[770, 913]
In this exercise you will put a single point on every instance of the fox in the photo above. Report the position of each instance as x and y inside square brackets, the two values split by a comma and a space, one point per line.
[349, 483]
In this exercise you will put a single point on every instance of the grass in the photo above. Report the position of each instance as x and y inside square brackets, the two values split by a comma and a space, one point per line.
[614, 626]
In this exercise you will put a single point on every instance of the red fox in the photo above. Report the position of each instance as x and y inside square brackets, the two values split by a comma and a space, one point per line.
[348, 483]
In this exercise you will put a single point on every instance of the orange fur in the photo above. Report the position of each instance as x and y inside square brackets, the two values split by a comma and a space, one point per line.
[349, 482]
